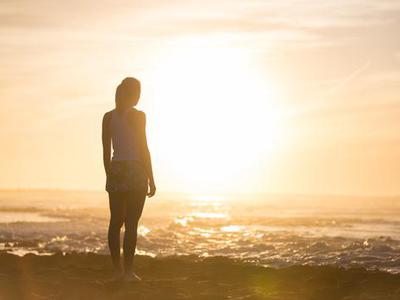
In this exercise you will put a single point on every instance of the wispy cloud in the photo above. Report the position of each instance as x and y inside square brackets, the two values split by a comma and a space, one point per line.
[340, 84]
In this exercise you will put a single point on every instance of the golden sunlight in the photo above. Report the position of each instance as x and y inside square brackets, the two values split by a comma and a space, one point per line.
[263, 160]
[215, 114]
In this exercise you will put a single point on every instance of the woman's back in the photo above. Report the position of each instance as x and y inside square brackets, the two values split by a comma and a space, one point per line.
[125, 141]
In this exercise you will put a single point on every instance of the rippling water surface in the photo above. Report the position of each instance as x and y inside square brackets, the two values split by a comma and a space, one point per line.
[269, 230]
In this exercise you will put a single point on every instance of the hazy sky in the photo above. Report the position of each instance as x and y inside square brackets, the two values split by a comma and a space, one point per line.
[249, 96]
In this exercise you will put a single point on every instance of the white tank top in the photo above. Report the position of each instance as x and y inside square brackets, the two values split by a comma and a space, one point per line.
[124, 142]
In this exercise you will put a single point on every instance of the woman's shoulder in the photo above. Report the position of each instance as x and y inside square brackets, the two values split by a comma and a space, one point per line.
[140, 114]
[107, 115]
[137, 111]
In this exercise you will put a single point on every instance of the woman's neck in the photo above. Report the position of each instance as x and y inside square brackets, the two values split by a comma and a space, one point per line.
[123, 110]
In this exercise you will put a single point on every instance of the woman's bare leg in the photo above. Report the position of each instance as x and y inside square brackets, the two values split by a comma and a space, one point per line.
[134, 207]
[117, 211]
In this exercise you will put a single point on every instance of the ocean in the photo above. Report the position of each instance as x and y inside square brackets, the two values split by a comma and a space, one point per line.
[269, 230]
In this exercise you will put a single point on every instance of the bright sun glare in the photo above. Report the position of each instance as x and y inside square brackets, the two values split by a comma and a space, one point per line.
[214, 115]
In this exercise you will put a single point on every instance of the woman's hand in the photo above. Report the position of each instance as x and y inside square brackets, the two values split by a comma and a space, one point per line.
[152, 190]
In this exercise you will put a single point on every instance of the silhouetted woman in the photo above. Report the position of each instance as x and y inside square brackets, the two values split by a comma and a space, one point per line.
[129, 173]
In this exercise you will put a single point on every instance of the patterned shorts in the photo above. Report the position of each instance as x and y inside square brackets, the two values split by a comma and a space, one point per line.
[126, 175]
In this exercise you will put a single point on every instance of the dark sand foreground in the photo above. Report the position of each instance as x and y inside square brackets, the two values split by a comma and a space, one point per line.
[78, 276]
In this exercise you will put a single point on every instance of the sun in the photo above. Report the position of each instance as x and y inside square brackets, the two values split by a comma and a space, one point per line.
[213, 114]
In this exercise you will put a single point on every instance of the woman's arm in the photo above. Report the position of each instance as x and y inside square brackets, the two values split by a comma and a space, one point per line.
[147, 158]
[106, 138]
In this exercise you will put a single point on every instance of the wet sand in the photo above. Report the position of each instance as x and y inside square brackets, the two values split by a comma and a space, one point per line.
[86, 276]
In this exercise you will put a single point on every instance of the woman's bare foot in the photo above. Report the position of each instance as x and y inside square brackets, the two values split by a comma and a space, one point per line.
[131, 277]
[118, 274]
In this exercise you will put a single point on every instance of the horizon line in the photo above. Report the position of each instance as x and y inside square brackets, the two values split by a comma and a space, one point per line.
[299, 194]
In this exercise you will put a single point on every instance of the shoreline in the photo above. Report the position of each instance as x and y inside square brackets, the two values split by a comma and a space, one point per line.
[80, 276]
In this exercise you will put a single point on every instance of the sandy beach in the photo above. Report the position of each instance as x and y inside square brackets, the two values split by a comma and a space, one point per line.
[86, 276]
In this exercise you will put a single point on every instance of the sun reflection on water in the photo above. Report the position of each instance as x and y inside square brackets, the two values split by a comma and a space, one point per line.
[209, 215]
[232, 228]
[208, 198]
